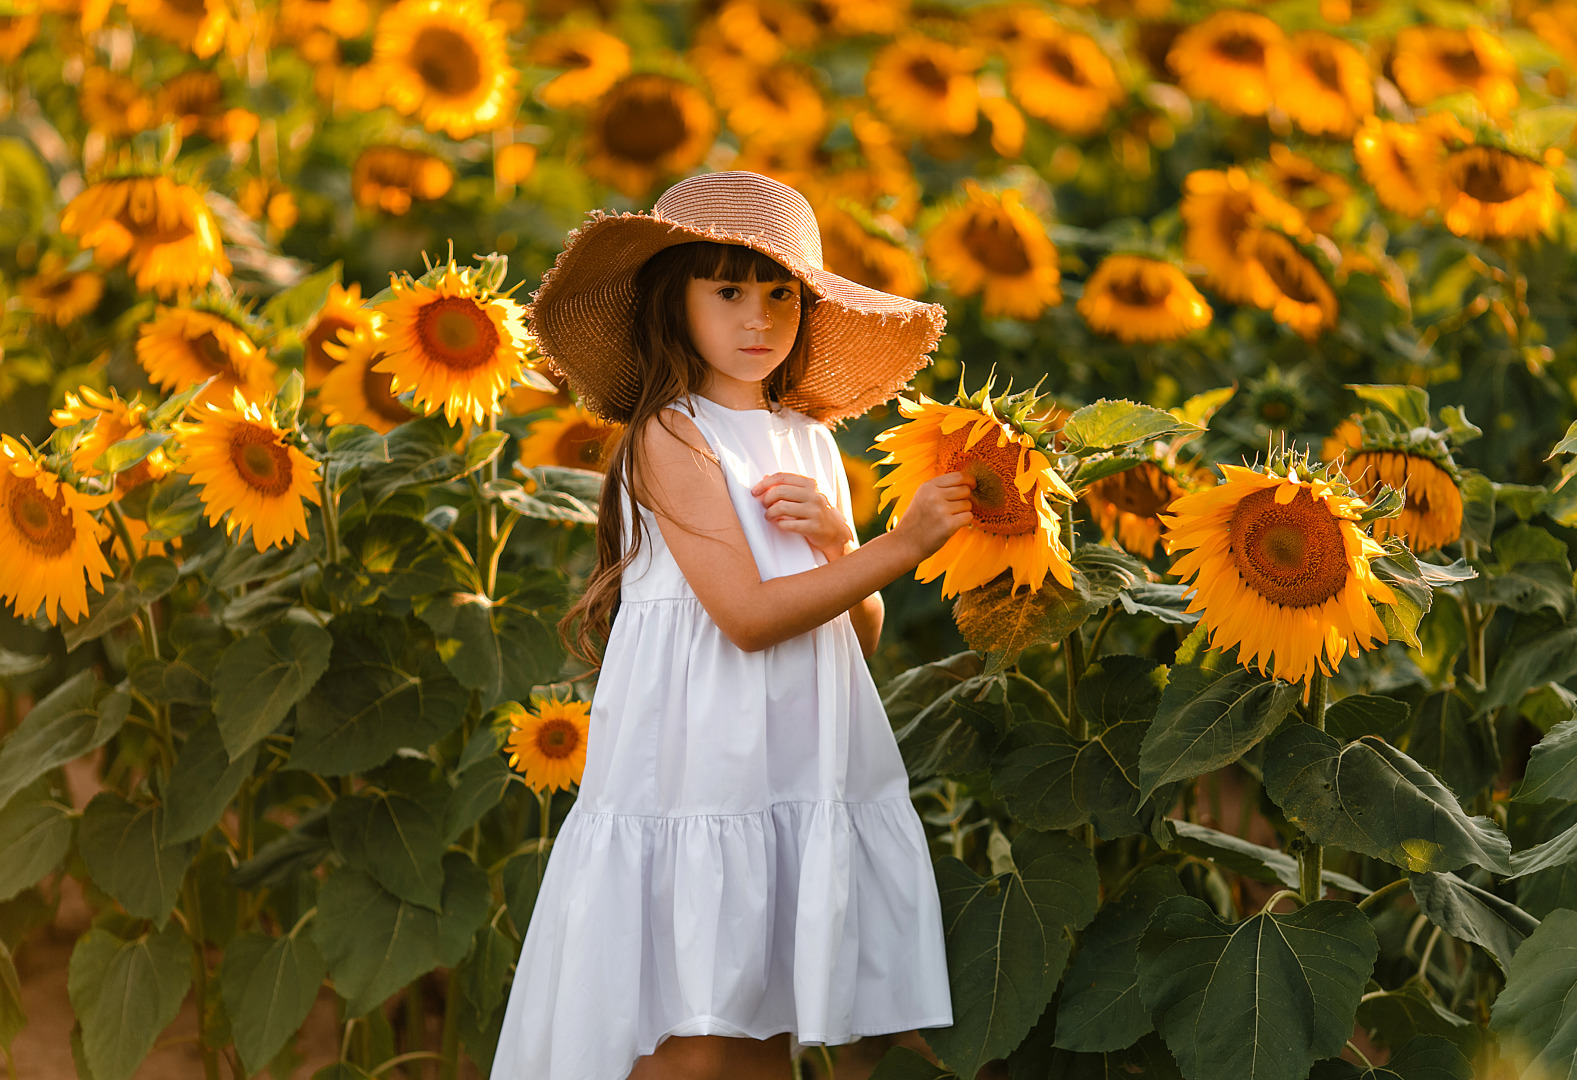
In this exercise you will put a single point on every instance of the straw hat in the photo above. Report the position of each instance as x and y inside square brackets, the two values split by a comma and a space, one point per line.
[864, 344]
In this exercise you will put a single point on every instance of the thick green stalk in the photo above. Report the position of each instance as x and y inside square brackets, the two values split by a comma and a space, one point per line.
[330, 532]
[194, 917]
[449, 1065]
[1311, 861]
[494, 542]
[1474, 621]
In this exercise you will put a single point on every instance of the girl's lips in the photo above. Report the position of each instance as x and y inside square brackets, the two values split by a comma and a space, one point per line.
[756, 349]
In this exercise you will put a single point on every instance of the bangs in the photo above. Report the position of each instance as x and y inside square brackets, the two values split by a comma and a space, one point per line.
[726, 262]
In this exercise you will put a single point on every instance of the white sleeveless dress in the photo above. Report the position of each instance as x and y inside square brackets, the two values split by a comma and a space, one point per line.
[743, 858]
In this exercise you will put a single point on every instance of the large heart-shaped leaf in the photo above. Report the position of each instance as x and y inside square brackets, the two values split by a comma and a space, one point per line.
[125, 993]
[396, 840]
[1552, 767]
[484, 974]
[500, 647]
[1100, 1008]
[1536, 1014]
[1470, 913]
[1106, 425]
[1371, 798]
[944, 718]
[998, 620]
[264, 674]
[1393, 1017]
[1035, 778]
[149, 579]
[1212, 711]
[34, 837]
[77, 716]
[1446, 738]
[1425, 1057]
[124, 849]
[202, 784]
[1261, 1000]
[1007, 943]
[269, 986]
[1549, 657]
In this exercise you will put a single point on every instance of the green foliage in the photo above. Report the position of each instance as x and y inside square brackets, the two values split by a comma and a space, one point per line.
[1532, 1015]
[125, 990]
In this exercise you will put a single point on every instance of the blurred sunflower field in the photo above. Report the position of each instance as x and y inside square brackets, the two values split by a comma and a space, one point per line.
[1242, 721]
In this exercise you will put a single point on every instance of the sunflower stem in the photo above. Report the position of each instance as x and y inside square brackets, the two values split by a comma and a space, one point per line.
[545, 815]
[1311, 861]
[330, 532]
[1474, 622]
[493, 543]
[118, 520]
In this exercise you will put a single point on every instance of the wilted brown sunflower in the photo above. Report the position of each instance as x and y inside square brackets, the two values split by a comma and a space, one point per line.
[926, 86]
[1486, 192]
[1219, 208]
[1323, 83]
[646, 127]
[852, 251]
[1134, 298]
[390, 178]
[594, 60]
[57, 293]
[445, 62]
[1228, 59]
[1063, 78]
[992, 244]
[1320, 195]
[1432, 61]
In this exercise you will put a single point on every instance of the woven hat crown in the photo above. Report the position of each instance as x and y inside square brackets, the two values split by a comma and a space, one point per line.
[745, 204]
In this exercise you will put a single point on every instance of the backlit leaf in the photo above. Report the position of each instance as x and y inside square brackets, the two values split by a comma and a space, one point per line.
[1534, 1014]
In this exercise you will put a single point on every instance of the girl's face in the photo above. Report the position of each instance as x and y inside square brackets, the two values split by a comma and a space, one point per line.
[743, 329]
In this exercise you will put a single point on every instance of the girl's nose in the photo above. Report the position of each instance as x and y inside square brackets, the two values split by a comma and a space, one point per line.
[757, 316]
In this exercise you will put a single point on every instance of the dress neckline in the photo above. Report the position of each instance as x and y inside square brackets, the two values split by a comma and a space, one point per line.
[703, 401]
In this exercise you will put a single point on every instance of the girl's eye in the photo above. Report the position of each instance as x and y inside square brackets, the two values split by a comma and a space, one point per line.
[728, 292]
[784, 294]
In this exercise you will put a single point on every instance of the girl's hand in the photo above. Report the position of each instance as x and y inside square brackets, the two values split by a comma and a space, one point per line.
[940, 507]
[794, 504]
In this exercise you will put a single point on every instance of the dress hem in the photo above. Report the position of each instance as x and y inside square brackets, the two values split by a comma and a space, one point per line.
[807, 1039]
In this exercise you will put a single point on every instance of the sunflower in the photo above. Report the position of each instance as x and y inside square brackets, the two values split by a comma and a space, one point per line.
[853, 251]
[112, 104]
[1486, 192]
[1063, 78]
[390, 178]
[594, 60]
[1432, 61]
[884, 17]
[1279, 567]
[926, 86]
[1228, 59]
[1302, 298]
[49, 539]
[570, 437]
[341, 314]
[1219, 209]
[1402, 161]
[778, 104]
[524, 398]
[298, 20]
[270, 201]
[1134, 298]
[457, 345]
[1000, 27]
[1129, 505]
[1432, 516]
[353, 393]
[763, 32]
[862, 489]
[195, 101]
[1015, 526]
[114, 421]
[17, 32]
[1007, 125]
[164, 230]
[58, 294]
[1320, 195]
[1344, 438]
[548, 746]
[646, 127]
[199, 26]
[249, 473]
[993, 243]
[1556, 23]
[445, 62]
[1323, 83]
[182, 346]
[513, 164]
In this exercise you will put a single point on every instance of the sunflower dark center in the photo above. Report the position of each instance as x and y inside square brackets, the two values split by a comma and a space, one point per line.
[580, 447]
[45, 524]
[996, 504]
[558, 739]
[644, 127]
[1463, 64]
[1288, 269]
[1135, 290]
[326, 330]
[996, 245]
[447, 62]
[928, 76]
[55, 288]
[1487, 176]
[1143, 491]
[572, 58]
[1055, 57]
[378, 388]
[207, 351]
[192, 9]
[457, 333]
[773, 85]
[1292, 554]
[157, 229]
[259, 460]
[1322, 65]
[1241, 49]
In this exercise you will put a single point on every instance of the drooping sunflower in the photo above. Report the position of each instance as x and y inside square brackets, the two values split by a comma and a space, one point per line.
[445, 62]
[114, 421]
[1319, 194]
[199, 26]
[646, 127]
[1278, 566]
[249, 472]
[1303, 299]
[548, 746]
[353, 393]
[1486, 192]
[1015, 525]
[1134, 298]
[1219, 209]
[1402, 161]
[1227, 59]
[17, 32]
[182, 346]
[1129, 505]
[457, 345]
[49, 539]
[194, 100]
[572, 437]
[1346, 437]
[995, 245]
[163, 230]
[1063, 78]
[926, 86]
[1323, 83]
[777, 104]
[1432, 516]
[57, 293]
[342, 313]
[390, 178]
[1432, 61]
[594, 60]
[851, 250]
[112, 104]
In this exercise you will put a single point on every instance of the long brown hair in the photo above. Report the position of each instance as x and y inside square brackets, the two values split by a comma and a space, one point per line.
[668, 368]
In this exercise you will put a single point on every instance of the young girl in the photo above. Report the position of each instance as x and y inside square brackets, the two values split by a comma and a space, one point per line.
[743, 862]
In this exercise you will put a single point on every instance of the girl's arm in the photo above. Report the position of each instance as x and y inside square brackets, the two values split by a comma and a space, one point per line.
[685, 488]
